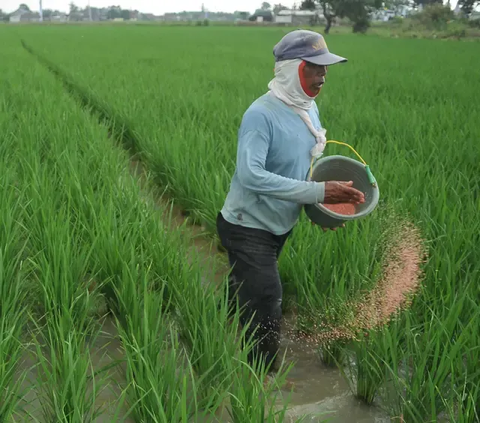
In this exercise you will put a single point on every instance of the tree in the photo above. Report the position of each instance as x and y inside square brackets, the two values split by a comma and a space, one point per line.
[75, 13]
[240, 15]
[357, 11]
[426, 2]
[397, 5]
[329, 13]
[266, 6]
[114, 12]
[278, 7]
[267, 15]
[23, 6]
[125, 14]
[467, 6]
[312, 6]
[4, 16]
[308, 5]
[47, 13]
[73, 8]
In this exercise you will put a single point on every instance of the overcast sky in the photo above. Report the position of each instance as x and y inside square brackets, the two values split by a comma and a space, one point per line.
[158, 7]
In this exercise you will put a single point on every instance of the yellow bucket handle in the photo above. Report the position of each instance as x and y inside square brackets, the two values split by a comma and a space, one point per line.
[340, 143]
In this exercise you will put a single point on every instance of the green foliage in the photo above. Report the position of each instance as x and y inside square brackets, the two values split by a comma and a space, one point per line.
[474, 23]
[332, 353]
[308, 5]
[73, 8]
[357, 11]
[278, 7]
[427, 2]
[397, 20]
[435, 16]
[467, 6]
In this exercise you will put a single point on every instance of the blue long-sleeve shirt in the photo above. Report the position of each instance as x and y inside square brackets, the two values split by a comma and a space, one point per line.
[269, 186]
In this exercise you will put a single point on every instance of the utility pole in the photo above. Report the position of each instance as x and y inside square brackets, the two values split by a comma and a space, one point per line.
[204, 11]
[89, 11]
[41, 12]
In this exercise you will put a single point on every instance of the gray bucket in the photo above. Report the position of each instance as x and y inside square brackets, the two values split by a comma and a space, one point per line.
[341, 168]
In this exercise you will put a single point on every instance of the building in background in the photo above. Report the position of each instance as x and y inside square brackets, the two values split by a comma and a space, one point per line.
[299, 17]
[24, 15]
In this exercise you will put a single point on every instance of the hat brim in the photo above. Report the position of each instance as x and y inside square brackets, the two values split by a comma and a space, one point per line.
[326, 59]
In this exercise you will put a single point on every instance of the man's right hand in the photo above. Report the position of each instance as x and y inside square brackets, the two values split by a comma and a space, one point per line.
[342, 192]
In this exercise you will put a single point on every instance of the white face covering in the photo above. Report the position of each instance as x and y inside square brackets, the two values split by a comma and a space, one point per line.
[286, 87]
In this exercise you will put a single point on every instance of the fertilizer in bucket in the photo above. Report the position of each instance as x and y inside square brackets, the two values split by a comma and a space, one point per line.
[346, 209]
[341, 168]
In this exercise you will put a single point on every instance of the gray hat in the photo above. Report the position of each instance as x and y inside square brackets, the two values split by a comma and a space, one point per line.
[306, 45]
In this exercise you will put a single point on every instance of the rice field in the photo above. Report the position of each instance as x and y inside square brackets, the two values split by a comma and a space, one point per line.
[85, 247]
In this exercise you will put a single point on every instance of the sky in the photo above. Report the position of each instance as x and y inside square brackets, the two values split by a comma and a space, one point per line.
[158, 7]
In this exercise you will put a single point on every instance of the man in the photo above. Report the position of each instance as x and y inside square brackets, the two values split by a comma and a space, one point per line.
[279, 134]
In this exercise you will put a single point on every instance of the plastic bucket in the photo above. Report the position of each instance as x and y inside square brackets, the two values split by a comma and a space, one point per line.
[341, 168]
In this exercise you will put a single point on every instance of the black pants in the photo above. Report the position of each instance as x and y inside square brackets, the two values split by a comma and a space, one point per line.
[255, 282]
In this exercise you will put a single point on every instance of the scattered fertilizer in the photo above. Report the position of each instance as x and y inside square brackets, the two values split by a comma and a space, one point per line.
[400, 279]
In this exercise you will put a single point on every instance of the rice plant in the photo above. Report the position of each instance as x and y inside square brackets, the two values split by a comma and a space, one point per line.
[13, 284]
[362, 367]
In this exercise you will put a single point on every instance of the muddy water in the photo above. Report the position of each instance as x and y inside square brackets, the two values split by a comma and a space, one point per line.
[321, 393]
[106, 356]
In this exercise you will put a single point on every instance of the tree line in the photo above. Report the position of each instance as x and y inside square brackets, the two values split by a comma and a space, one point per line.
[357, 11]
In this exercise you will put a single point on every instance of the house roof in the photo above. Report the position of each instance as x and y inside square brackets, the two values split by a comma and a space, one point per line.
[19, 12]
[31, 15]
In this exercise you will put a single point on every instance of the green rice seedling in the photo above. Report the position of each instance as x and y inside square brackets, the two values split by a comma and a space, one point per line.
[209, 334]
[362, 367]
[62, 349]
[464, 407]
[12, 321]
[12, 294]
[332, 352]
[68, 388]
[59, 260]
[253, 392]
[424, 372]
[159, 379]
